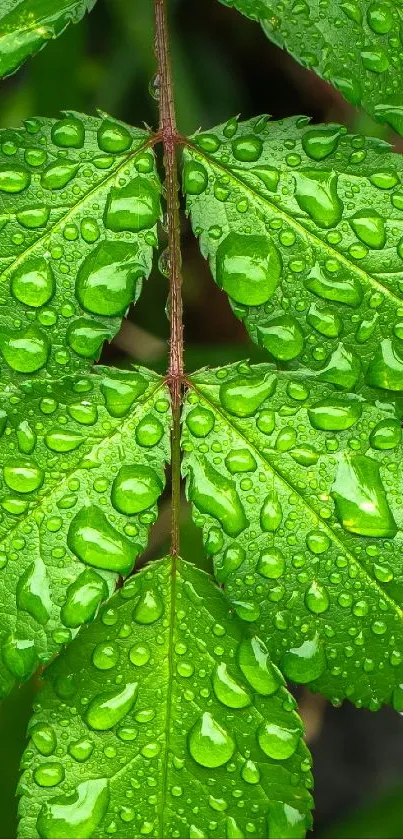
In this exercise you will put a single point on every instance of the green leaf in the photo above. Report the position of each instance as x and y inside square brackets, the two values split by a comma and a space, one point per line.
[303, 228]
[298, 491]
[165, 718]
[79, 202]
[356, 45]
[26, 26]
[82, 466]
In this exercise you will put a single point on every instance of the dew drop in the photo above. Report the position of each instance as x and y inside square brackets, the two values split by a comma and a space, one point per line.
[76, 815]
[360, 498]
[135, 206]
[83, 598]
[109, 708]
[135, 488]
[97, 543]
[26, 351]
[254, 661]
[214, 494]
[248, 268]
[108, 279]
[210, 745]
[34, 283]
[243, 395]
[305, 663]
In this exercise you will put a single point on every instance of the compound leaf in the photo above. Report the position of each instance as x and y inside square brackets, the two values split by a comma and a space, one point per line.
[303, 228]
[165, 718]
[356, 45]
[82, 466]
[27, 26]
[79, 203]
[298, 491]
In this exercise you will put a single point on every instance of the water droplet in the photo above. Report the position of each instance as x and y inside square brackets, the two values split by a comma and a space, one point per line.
[83, 412]
[81, 750]
[83, 598]
[375, 60]
[317, 542]
[34, 283]
[325, 321]
[13, 178]
[109, 708]
[44, 738]
[387, 434]
[97, 543]
[316, 194]
[210, 745]
[140, 654]
[369, 226]
[334, 414]
[271, 513]
[149, 607]
[68, 133]
[285, 821]
[194, 178]
[360, 498]
[200, 421]
[305, 663]
[33, 592]
[109, 278]
[233, 830]
[113, 137]
[59, 174]
[77, 815]
[135, 206]
[135, 488]
[227, 690]
[385, 369]
[316, 598]
[48, 774]
[248, 268]
[33, 217]
[23, 475]
[318, 143]
[61, 440]
[20, 657]
[105, 655]
[250, 772]
[26, 351]
[337, 287]
[279, 742]
[271, 564]
[343, 369]
[214, 494]
[240, 460]
[254, 661]
[86, 337]
[248, 148]
[268, 175]
[282, 337]
[120, 394]
[243, 395]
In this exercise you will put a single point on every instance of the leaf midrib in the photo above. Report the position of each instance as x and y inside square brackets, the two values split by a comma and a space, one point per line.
[275, 208]
[326, 527]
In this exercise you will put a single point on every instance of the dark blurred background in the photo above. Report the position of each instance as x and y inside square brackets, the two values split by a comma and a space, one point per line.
[223, 64]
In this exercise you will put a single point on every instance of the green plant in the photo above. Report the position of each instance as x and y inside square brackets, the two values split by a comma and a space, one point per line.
[167, 714]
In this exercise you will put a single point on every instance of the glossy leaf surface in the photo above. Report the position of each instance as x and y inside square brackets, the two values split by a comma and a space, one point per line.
[79, 203]
[298, 490]
[165, 718]
[27, 25]
[303, 228]
[82, 466]
[354, 44]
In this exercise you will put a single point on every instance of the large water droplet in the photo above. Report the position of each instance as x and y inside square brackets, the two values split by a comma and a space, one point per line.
[135, 488]
[387, 434]
[305, 663]
[254, 661]
[239, 461]
[109, 708]
[317, 598]
[149, 431]
[26, 351]
[334, 414]
[279, 742]
[108, 279]
[248, 148]
[34, 283]
[243, 395]
[271, 513]
[271, 563]
[86, 337]
[360, 498]
[49, 774]
[68, 133]
[210, 745]
[248, 268]
[316, 194]
[83, 598]
[62, 440]
[369, 226]
[13, 178]
[227, 690]
[285, 821]
[33, 592]
[318, 143]
[149, 607]
[385, 369]
[59, 174]
[120, 394]
[33, 217]
[200, 421]
[113, 137]
[338, 287]
[343, 369]
[325, 321]
[135, 206]
[97, 543]
[194, 178]
[23, 475]
[44, 738]
[214, 494]
[282, 337]
[77, 815]
[19, 656]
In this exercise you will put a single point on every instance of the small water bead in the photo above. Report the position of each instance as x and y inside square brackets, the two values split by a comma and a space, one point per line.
[305, 663]
[317, 598]
[135, 488]
[135, 206]
[271, 564]
[140, 654]
[86, 337]
[35, 157]
[81, 749]
[317, 542]
[149, 607]
[255, 664]
[83, 598]
[149, 431]
[89, 230]
[44, 738]
[83, 413]
[266, 421]
[109, 708]
[105, 656]
[58, 174]
[68, 133]
[210, 745]
[243, 395]
[227, 690]
[48, 774]
[279, 742]
[23, 475]
[208, 142]
[76, 814]
[26, 437]
[26, 351]
[194, 178]
[387, 434]
[108, 278]
[97, 543]
[113, 137]
[360, 499]
[248, 268]
[200, 421]
[247, 149]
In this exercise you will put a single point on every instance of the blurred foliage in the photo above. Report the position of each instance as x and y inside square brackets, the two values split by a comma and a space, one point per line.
[223, 65]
